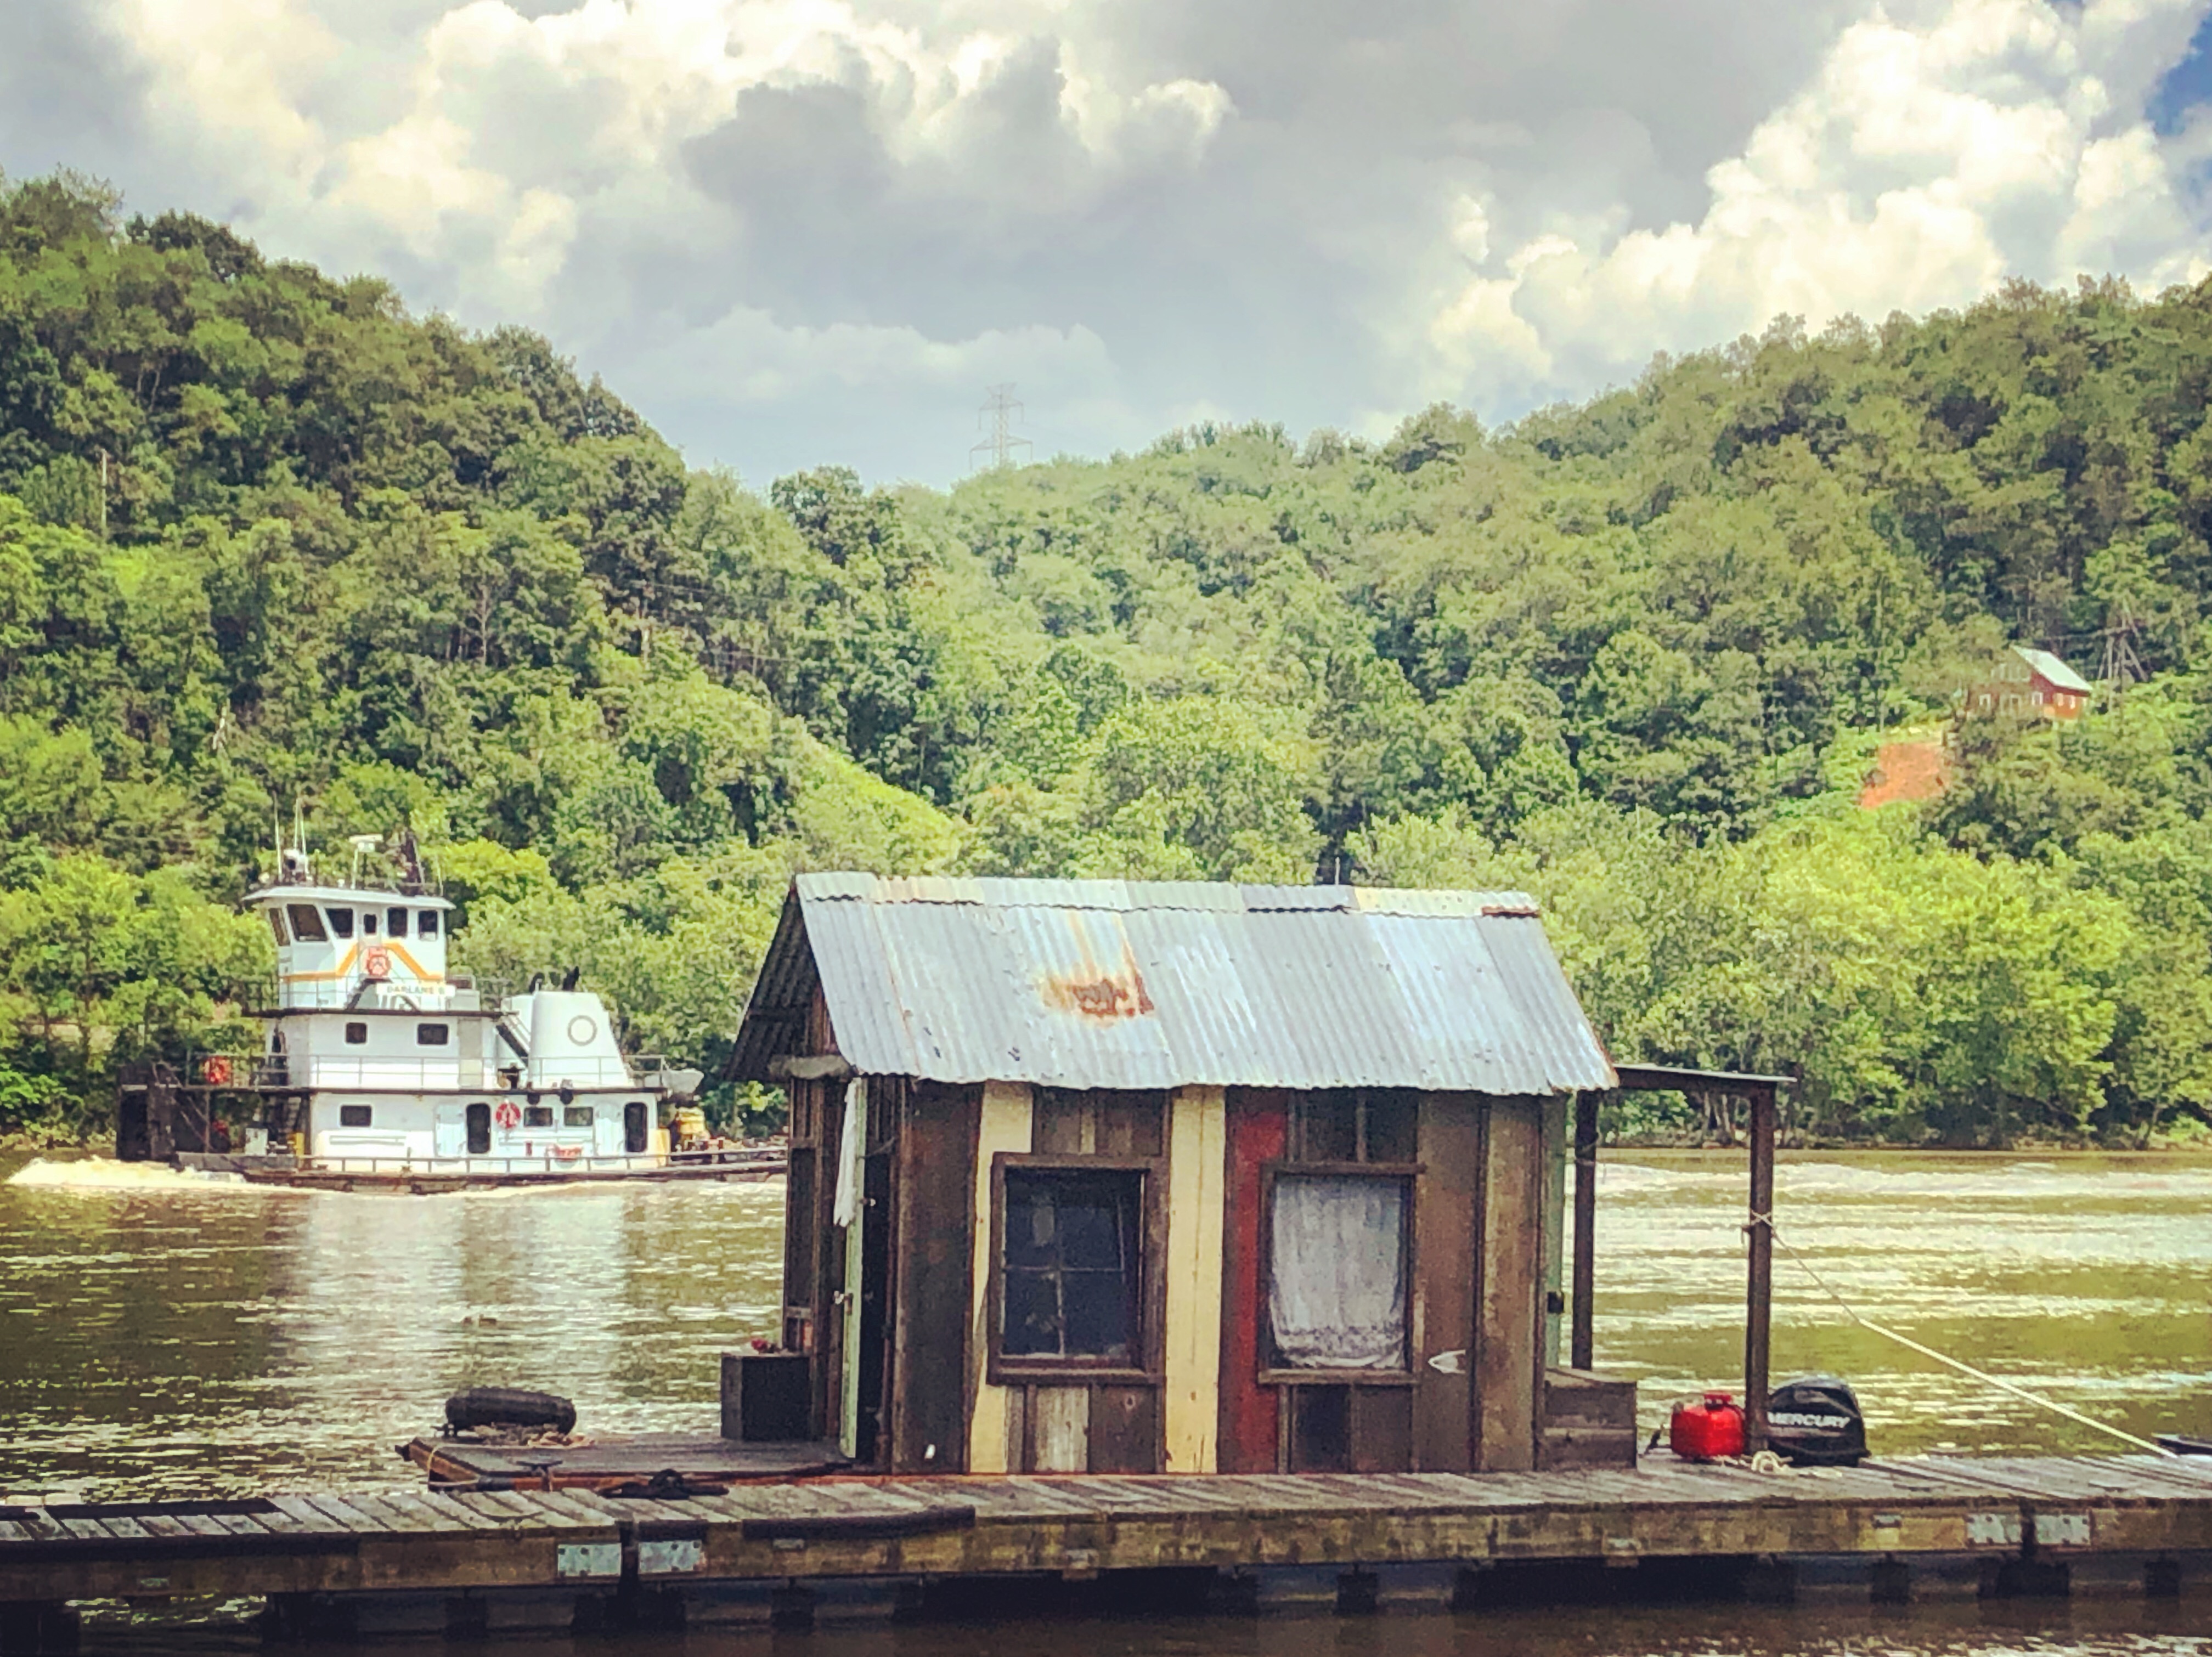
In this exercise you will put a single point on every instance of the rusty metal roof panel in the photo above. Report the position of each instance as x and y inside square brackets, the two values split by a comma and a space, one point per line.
[1151, 985]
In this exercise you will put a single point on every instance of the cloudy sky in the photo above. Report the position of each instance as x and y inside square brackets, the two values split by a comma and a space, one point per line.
[793, 231]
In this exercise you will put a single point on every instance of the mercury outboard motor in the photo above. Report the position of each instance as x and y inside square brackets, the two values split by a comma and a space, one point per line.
[1815, 1422]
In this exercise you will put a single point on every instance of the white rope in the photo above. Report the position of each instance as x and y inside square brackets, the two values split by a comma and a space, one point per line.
[1853, 1313]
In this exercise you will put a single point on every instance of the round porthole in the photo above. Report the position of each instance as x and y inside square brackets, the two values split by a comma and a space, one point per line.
[581, 1030]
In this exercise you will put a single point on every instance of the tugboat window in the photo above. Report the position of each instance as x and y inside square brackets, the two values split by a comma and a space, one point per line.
[356, 1035]
[576, 1116]
[538, 1116]
[395, 922]
[277, 925]
[479, 1123]
[1071, 1265]
[427, 926]
[368, 923]
[341, 922]
[431, 1035]
[307, 923]
[355, 1115]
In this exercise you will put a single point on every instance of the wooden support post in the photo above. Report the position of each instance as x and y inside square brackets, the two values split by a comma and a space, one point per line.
[1582, 1339]
[1758, 1300]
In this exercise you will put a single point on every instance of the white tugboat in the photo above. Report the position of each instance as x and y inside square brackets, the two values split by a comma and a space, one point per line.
[380, 1069]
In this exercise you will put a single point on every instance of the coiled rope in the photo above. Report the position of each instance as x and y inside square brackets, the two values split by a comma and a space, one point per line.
[1964, 1368]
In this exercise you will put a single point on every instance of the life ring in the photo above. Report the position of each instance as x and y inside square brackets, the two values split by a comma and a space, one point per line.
[215, 1070]
[507, 1113]
[376, 963]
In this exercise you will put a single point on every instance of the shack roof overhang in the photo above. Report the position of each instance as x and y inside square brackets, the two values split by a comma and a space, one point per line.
[1117, 984]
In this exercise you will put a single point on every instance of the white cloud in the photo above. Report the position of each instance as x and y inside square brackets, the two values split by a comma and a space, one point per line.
[1923, 162]
[799, 230]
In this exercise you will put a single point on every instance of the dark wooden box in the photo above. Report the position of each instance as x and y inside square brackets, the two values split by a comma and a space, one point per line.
[766, 1398]
[1590, 1421]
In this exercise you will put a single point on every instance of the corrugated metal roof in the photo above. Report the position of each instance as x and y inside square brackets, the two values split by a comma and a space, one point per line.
[1105, 983]
[2043, 662]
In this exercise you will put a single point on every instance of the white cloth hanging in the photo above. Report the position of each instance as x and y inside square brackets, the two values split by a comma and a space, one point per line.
[1337, 1292]
[845, 1206]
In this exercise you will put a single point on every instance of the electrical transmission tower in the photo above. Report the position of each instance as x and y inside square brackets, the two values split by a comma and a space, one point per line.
[2122, 666]
[1001, 411]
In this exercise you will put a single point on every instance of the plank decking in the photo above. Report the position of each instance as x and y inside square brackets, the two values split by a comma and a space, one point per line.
[2152, 1514]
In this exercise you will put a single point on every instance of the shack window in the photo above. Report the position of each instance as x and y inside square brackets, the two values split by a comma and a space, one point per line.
[395, 923]
[1338, 1269]
[538, 1116]
[357, 1034]
[427, 926]
[307, 923]
[277, 925]
[355, 1115]
[341, 922]
[576, 1116]
[1071, 1265]
[432, 1035]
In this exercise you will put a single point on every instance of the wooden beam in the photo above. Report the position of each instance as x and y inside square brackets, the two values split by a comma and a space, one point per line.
[1758, 1297]
[1582, 1339]
[808, 1067]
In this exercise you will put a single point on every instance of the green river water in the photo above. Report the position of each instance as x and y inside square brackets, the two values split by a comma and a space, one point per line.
[160, 1336]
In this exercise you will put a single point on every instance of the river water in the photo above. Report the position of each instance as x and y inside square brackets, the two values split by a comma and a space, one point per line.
[160, 1335]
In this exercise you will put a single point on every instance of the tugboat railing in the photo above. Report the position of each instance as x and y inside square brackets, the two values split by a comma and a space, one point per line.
[735, 1159]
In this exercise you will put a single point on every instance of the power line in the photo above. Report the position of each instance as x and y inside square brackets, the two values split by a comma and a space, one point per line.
[1001, 443]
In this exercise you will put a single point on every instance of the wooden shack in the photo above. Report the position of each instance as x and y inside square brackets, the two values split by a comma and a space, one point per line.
[1107, 1176]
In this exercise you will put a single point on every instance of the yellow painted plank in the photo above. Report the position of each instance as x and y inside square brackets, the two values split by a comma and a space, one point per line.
[1004, 1125]
[1198, 1149]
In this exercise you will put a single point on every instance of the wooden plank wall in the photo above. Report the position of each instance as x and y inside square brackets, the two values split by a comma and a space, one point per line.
[1450, 1154]
[1191, 1407]
[1257, 1133]
[935, 1225]
[1508, 1355]
[1003, 1124]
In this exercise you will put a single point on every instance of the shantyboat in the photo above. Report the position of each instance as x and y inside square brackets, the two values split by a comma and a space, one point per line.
[380, 1069]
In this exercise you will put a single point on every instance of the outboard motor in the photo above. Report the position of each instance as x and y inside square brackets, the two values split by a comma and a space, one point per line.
[1815, 1422]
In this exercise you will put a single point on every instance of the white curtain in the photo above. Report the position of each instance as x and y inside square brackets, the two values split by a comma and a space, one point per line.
[1337, 1296]
[845, 1204]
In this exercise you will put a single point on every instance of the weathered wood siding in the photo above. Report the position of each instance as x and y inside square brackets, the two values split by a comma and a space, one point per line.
[1450, 1155]
[1197, 1153]
[1257, 1122]
[935, 1228]
[1508, 1354]
[1005, 1124]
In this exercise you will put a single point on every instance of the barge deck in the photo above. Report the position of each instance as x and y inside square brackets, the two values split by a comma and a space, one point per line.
[511, 1561]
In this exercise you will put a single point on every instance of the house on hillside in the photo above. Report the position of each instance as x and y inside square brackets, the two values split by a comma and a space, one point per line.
[2024, 680]
[1109, 1177]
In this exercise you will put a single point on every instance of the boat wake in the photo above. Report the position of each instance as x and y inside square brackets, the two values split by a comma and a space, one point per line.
[106, 1174]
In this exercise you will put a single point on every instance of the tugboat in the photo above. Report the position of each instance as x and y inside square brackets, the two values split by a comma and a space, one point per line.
[380, 1070]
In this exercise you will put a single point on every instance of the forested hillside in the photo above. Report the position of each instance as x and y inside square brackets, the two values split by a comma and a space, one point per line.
[267, 539]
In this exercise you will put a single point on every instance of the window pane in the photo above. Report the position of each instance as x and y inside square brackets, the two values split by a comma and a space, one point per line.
[1032, 1316]
[341, 922]
[354, 1115]
[1337, 1290]
[428, 925]
[1098, 1314]
[430, 1036]
[357, 1034]
[368, 923]
[277, 925]
[538, 1116]
[1071, 1270]
[576, 1116]
[395, 923]
[307, 923]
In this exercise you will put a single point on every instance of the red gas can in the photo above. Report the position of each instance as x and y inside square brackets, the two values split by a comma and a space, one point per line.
[1705, 1432]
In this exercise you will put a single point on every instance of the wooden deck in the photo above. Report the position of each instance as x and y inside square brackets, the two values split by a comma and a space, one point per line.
[560, 1559]
[700, 1462]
